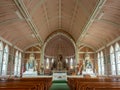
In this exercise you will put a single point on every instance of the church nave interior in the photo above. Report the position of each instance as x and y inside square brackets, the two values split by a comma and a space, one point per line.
[59, 44]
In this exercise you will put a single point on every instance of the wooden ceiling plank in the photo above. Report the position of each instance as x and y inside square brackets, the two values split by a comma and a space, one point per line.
[91, 19]
[83, 8]
[37, 6]
[73, 16]
[6, 22]
[109, 22]
[46, 16]
[20, 4]
[60, 14]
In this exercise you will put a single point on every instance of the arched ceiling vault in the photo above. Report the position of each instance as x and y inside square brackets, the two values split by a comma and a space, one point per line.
[94, 23]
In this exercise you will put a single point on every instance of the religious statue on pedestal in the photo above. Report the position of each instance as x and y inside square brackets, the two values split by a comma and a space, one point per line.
[31, 66]
[60, 63]
[31, 63]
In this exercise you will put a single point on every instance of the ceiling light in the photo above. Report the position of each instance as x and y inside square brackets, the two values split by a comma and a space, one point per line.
[19, 15]
[33, 35]
[101, 15]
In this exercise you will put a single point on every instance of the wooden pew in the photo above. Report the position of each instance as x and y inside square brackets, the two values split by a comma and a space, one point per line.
[26, 84]
[78, 83]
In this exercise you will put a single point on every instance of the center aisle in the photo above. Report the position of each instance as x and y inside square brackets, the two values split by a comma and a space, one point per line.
[56, 85]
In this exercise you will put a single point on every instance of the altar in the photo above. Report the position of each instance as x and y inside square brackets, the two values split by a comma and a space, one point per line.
[59, 76]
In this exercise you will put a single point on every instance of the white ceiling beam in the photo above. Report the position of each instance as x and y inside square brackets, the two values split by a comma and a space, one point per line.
[91, 19]
[10, 44]
[112, 42]
[87, 45]
[33, 52]
[6, 4]
[20, 4]
[31, 46]
[80, 52]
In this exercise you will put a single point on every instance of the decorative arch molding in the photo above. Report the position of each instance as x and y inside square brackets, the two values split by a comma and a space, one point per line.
[54, 34]
[34, 44]
[89, 46]
[60, 32]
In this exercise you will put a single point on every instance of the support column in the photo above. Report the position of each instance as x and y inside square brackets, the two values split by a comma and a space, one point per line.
[77, 54]
[106, 61]
[95, 64]
[42, 60]
[22, 64]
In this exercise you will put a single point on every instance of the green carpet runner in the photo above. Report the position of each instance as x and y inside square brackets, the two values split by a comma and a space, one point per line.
[59, 85]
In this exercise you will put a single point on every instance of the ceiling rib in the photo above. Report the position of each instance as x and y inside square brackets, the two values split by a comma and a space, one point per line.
[28, 19]
[73, 16]
[60, 14]
[97, 9]
[46, 16]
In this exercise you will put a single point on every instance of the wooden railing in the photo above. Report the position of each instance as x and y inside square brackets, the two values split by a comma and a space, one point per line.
[26, 84]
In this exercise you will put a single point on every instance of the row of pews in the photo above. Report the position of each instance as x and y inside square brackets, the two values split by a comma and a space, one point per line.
[94, 83]
[26, 84]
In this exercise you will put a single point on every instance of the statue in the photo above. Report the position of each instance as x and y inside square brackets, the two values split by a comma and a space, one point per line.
[59, 64]
[31, 63]
[42, 68]
[31, 66]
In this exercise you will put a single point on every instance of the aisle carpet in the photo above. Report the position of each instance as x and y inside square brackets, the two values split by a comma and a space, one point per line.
[59, 85]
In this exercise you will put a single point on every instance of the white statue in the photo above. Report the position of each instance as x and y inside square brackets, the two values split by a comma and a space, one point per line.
[31, 64]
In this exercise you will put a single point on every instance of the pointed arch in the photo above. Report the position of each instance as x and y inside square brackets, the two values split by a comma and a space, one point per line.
[102, 64]
[101, 67]
[117, 54]
[19, 63]
[112, 60]
[16, 64]
[99, 64]
[1, 55]
[5, 60]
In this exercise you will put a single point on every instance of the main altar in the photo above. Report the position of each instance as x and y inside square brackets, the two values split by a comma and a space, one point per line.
[59, 76]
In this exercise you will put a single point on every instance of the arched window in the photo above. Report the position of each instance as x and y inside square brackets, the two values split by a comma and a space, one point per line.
[71, 63]
[19, 63]
[1, 55]
[16, 63]
[5, 60]
[117, 52]
[112, 59]
[101, 70]
[66, 60]
[99, 65]
[17, 66]
[47, 63]
[102, 63]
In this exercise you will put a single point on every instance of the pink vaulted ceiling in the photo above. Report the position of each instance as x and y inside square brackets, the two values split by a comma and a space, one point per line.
[59, 45]
[26, 22]
[106, 27]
